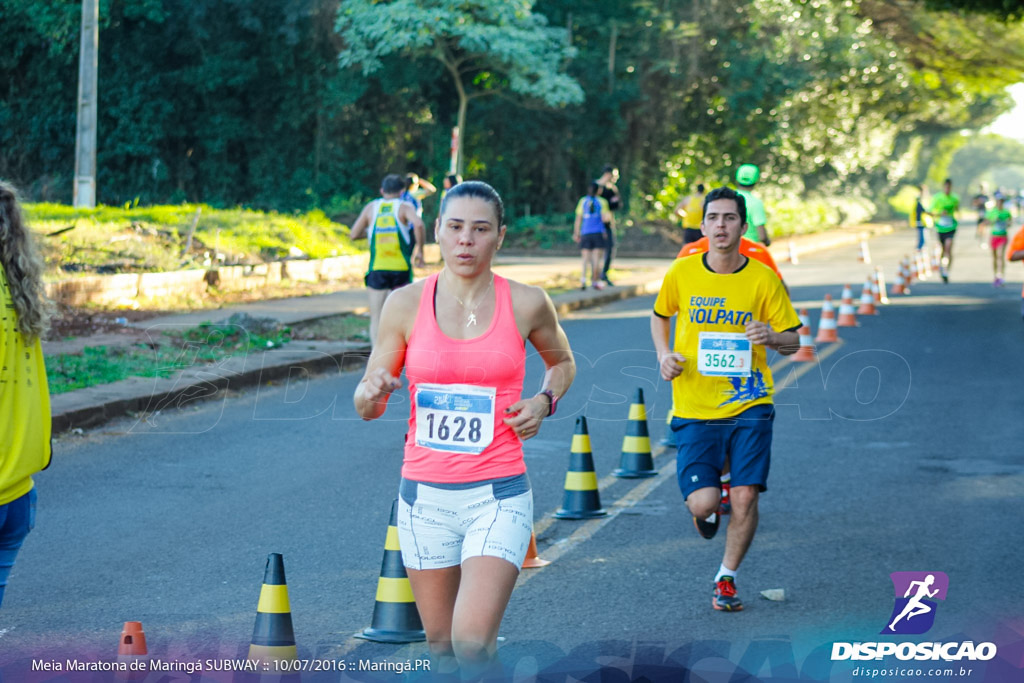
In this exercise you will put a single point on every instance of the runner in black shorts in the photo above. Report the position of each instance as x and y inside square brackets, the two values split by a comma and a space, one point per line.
[396, 236]
[590, 231]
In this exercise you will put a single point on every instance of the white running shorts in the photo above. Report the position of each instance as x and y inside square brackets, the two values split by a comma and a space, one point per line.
[441, 527]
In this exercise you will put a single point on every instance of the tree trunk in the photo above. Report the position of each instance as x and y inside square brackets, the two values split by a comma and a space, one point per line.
[463, 105]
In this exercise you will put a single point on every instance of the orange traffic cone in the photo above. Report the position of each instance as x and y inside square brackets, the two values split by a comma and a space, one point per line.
[582, 500]
[897, 288]
[865, 253]
[532, 561]
[914, 273]
[882, 297]
[131, 652]
[937, 259]
[847, 313]
[793, 258]
[867, 300]
[827, 323]
[806, 352]
[922, 265]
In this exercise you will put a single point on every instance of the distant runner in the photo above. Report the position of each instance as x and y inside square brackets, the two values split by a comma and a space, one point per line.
[691, 211]
[747, 176]
[944, 208]
[1000, 219]
[921, 217]
[610, 192]
[590, 231]
[396, 236]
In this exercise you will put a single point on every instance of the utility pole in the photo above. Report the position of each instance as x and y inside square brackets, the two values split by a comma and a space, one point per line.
[85, 138]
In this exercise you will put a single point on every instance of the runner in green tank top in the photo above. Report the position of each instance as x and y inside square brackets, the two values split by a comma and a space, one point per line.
[945, 206]
[999, 218]
[394, 249]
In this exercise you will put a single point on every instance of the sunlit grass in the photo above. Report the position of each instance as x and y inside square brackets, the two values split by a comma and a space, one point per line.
[153, 238]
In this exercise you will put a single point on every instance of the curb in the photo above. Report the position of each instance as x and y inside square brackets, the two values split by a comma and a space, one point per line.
[93, 406]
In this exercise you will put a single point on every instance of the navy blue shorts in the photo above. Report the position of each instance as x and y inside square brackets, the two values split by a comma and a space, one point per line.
[387, 279]
[593, 240]
[704, 445]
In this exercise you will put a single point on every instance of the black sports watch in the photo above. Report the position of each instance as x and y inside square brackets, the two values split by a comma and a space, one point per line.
[553, 400]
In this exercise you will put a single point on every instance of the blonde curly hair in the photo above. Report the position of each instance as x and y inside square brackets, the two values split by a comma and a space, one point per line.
[23, 267]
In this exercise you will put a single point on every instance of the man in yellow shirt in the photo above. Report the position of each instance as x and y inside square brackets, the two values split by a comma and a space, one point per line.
[729, 309]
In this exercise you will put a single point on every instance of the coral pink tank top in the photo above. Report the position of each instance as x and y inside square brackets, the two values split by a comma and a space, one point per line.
[459, 389]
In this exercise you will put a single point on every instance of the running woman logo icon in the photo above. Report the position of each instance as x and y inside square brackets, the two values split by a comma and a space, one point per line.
[916, 592]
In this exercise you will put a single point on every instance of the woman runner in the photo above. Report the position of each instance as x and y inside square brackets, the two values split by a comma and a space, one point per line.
[465, 505]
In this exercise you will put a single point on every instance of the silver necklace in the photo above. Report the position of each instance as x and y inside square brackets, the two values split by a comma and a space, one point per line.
[471, 310]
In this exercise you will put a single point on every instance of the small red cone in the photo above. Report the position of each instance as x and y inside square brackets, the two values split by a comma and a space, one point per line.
[900, 282]
[881, 297]
[827, 324]
[532, 561]
[132, 652]
[867, 300]
[865, 253]
[847, 313]
[806, 352]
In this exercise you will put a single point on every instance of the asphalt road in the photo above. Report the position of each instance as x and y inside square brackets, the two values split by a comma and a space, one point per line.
[898, 451]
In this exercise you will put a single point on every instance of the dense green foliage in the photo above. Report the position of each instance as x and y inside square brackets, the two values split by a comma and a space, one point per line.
[270, 104]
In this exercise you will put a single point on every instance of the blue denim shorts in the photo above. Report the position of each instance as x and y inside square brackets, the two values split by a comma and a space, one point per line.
[704, 445]
[17, 518]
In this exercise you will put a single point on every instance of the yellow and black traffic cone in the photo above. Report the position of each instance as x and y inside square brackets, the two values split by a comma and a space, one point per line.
[636, 460]
[273, 638]
[395, 619]
[582, 499]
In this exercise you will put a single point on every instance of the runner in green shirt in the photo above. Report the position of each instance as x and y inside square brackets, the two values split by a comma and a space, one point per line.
[747, 176]
[945, 206]
[1000, 218]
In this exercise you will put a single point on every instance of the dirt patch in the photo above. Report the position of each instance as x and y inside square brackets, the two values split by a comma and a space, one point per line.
[345, 327]
[70, 321]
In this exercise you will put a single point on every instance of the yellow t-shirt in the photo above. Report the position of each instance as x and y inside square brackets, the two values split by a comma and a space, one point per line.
[694, 213]
[24, 405]
[705, 301]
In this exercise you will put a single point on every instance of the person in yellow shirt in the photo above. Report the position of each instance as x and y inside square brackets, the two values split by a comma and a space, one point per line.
[396, 235]
[729, 309]
[24, 394]
[691, 211]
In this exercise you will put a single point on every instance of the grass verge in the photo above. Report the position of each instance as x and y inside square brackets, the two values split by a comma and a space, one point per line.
[177, 350]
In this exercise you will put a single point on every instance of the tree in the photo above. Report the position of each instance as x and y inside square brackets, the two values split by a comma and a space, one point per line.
[488, 47]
